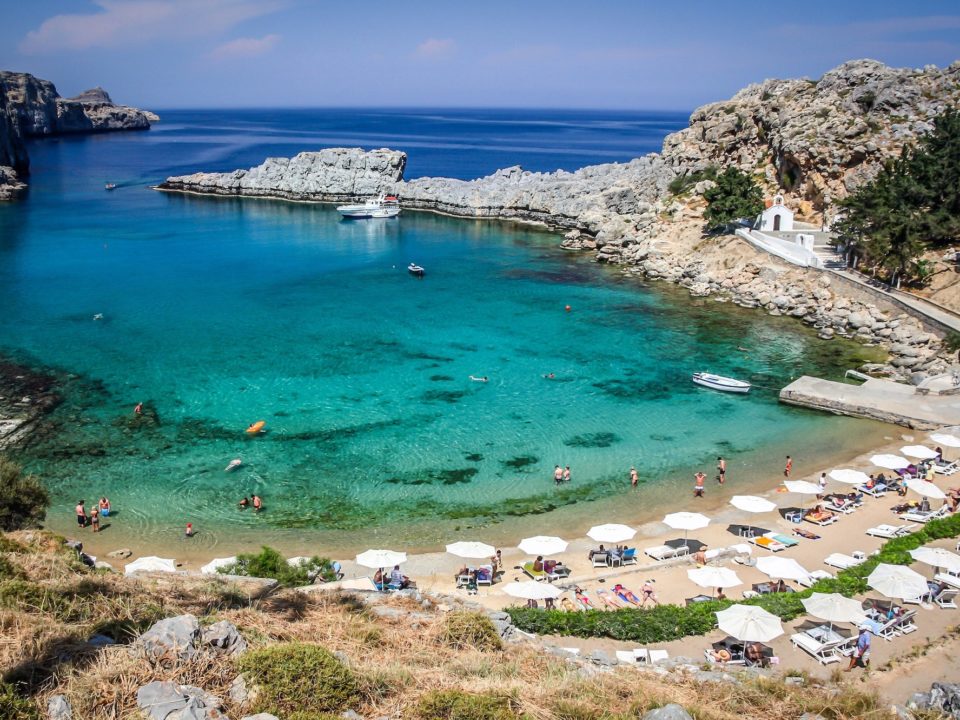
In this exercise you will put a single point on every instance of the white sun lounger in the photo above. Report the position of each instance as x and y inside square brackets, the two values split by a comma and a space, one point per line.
[841, 561]
[815, 576]
[824, 653]
[947, 599]
[891, 531]
[917, 516]
[877, 491]
[948, 578]
[946, 468]
[665, 552]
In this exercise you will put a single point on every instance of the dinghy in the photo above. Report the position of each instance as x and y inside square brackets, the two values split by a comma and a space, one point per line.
[719, 382]
[415, 269]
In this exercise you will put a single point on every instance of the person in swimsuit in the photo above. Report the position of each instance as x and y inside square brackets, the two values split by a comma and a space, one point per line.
[647, 593]
[788, 468]
[721, 470]
[189, 531]
[81, 514]
[698, 484]
[138, 409]
[558, 475]
[634, 477]
[566, 474]
[104, 507]
[257, 503]
[95, 519]
[245, 503]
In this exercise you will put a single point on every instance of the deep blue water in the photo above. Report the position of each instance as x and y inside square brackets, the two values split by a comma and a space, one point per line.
[220, 312]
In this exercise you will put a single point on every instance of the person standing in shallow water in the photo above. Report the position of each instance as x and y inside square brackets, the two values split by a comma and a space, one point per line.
[721, 470]
[788, 468]
[698, 484]
[95, 519]
[558, 475]
[634, 477]
[81, 514]
[566, 474]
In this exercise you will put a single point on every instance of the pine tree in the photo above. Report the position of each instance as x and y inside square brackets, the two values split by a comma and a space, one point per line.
[735, 196]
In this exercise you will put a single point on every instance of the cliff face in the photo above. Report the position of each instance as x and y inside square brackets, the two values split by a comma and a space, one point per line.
[13, 152]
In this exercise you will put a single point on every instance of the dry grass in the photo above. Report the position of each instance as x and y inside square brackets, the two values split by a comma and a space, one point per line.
[398, 661]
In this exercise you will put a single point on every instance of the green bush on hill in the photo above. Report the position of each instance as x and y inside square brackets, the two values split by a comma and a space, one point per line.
[683, 182]
[298, 677]
[23, 499]
[664, 623]
[269, 563]
[458, 705]
[735, 196]
[466, 629]
[14, 707]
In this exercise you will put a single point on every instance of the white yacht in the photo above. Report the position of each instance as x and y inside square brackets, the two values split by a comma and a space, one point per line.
[385, 206]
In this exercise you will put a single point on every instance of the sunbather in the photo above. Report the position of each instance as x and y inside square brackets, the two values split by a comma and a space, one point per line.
[626, 595]
[647, 593]
[567, 605]
[582, 598]
[722, 655]
[609, 599]
[806, 534]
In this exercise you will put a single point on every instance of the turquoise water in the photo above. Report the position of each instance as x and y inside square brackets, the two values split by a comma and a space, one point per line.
[218, 313]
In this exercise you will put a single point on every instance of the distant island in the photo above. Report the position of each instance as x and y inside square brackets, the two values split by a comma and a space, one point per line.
[31, 107]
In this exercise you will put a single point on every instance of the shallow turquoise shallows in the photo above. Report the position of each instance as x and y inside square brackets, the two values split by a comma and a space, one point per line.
[219, 312]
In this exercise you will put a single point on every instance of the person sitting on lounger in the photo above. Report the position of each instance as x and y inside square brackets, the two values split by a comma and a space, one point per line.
[753, 654]
[598, 551]
[538, 564]
[378, 579]
[925, 505]
[398, 579]
[484, 574]
[626, 595]
[647, 593]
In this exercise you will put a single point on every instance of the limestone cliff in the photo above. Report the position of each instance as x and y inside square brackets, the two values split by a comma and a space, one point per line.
[13, 152]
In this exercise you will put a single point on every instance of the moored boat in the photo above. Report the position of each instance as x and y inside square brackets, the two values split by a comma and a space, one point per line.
[415, 269]
[110, 186]
[385, 206]
[719, 382]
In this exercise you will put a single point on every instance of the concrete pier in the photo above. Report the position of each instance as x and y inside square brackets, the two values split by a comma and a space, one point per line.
[882, 400]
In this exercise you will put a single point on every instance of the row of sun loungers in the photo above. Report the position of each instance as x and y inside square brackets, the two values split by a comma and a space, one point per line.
[843, 561]
[891, 531]
[642, 655]
[602, 559]
[666, 552]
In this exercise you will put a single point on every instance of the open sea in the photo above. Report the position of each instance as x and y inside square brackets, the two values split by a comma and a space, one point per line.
[221, 312]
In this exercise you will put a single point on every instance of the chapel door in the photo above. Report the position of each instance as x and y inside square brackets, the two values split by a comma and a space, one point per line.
[776, 222]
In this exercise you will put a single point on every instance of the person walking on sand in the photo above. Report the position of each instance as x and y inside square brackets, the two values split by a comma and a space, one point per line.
[257, 503]
[721, 470]
[81, 514]
[95, 519]
[862, 652]
[698, 484]
[788, 468]
[634, 477]
[566, 473]
[822, 482]
[558, 475]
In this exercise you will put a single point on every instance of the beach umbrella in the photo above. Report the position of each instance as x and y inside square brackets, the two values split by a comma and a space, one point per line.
[752, 503]
[889, 462]
[898, 581]
[379, 559]
[611, 533]
[686, 521]
[213, 567]
[946, 439]
[921, 452]
[780, 567]
[749, 623]
[471, 549]
[850, 477]
[714, 577]
[150, 563]
[532, 590]
[801, 487]
[834, 607]
[927, 489]
[937, 557]
[542, 545]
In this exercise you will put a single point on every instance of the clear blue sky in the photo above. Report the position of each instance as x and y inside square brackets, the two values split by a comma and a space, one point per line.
[672, 54]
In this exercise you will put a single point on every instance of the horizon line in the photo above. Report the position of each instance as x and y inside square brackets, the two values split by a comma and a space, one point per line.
[511, 108]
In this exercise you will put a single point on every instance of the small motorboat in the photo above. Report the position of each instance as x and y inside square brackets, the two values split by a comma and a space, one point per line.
[415, 269]
[719, 382]
[385, 206]
[110, 186]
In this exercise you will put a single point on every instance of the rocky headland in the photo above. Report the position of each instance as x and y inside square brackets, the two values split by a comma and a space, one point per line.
[31, 107]
[811, 140]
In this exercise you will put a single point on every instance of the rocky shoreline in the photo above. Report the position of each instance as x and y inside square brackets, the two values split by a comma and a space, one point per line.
[26, 397]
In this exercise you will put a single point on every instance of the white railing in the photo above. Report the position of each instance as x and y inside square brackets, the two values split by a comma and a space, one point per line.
[784, 249]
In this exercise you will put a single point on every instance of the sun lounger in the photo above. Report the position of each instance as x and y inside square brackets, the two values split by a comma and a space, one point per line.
[948, 578]
[626, 656]
[925, 517]
[785, 540]
[655, 656]
[824, 653]
[947, 599]
[665, 552]
[768, 543]
[814, 577]
[947, 469]
[888, 630]
[600, 560]
[905, 623]
[821, 519]
[841, 561]
[876, 491]
[629, 556]
[709, 657]
[846, 508]
[485, 575]
[534, 574]
[891, 531]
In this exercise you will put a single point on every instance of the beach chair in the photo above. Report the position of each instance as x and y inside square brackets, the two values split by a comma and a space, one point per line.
[942, 468]
[784, 540]
[485, 575]
[925, 517]
[888, 630]
[814, 577]
[891, 531]
[947, 599]
[660, 552]
[841, 561]
[821, 520]
[877, 491]
[463, 581]
[600, 560]
[948, 578]
[655, 656]
[537, 575]
[626, 656]
[768, 543]
[845, 509]
[905, 623]
[824, 653]
[629, 556]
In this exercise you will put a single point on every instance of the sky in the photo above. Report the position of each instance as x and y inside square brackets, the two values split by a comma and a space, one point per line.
[604, 54]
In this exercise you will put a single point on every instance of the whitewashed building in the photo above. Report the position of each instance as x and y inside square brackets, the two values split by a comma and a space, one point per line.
[777, 217]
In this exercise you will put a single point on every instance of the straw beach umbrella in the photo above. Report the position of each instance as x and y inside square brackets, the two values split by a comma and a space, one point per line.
[749, 623]
[834, 607]
[889, 462]
[714, 577]
[471, 549]
[686, 521]
[782, 568]
[921, 452]
[611, 533]
[924, 488]
[532, 590]
[542, 545]
[752, 503]
[937, 557]
[898, 581]
[850, 477]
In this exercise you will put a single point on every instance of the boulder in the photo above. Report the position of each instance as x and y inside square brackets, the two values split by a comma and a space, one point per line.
[260, 716]
[225, 637]
[166, 700]
[122, 553]
[58, 708]
[172, 638]
[668, 712]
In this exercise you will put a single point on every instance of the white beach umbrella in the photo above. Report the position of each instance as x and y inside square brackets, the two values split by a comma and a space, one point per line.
[532, 590]
[889, 462]
[850, 477]
[937, 557]
[150, 563]
[686, 521]
[752, 503]
[834, 607]
[611, 533]
[801, 487]
[714, 577]
[927, 489]
[471, 549]
[898, 581]
[213, 567]
[921, 452]
[749, 623]
[542, 545]
[781, 567]
[945, 439]
[378, 559]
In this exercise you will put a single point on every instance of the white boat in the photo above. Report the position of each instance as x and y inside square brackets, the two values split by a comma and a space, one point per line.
[719, 382]
[385, 206]
[415, 269]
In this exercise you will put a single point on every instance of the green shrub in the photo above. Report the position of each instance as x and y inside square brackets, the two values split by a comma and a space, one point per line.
[465, 629]
[297, 677]
[457, 705]
[14, 707]
[269, 563]
[11, 545]
[683, 183]
[23, 499]
[9, 571]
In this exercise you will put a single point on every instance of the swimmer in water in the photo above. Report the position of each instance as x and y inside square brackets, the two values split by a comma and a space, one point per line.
[479, 379]
[549, 376]
[138, 409]
[98, 316]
